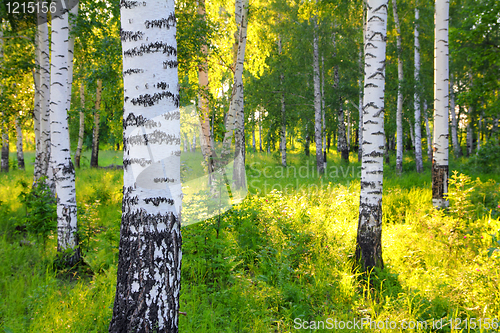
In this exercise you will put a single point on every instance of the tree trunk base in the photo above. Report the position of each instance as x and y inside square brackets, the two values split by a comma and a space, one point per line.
[439, 186]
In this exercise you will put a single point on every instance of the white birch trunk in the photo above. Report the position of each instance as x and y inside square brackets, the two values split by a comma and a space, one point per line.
[5, 130]
[45, 71]
[360, 83]
[37, 173]
[237, 103]
[61, 165]
[206, 136]
[149, 266]
[283, 114]
[416, 105]
[399, 111]
[369, 245]
[454, 124]
[71, 48]
[81, 127]
[94, 158]
[323, 111]
[342, 146]
[5, 143]
[441, 78]
[320, 167]
[19, 144]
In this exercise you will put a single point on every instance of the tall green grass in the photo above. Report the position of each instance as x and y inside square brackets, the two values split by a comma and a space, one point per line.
[284, 253]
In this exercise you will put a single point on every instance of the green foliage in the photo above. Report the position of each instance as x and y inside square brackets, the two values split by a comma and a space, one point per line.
[41, 215]
[274, 257]
[486, 159]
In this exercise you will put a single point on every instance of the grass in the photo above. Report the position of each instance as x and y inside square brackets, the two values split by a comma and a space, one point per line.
[278, 259]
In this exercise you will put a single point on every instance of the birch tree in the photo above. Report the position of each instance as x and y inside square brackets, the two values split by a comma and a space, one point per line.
[203, 103]
[61, 165]
[81, 126]
[239, 177]
[369, 245]
[44, 89]
[416, 97]
[441, 78]
[94, 158]
[283, 113]
[317, 99]
[149, 266]
[399, 111]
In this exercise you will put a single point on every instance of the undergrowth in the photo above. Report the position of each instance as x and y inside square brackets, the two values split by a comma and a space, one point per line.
[283, 253]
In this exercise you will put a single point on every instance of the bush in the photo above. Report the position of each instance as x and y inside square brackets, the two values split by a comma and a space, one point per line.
[41, 214]
[486, 159]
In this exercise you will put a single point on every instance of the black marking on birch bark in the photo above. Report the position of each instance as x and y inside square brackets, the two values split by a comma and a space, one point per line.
[158, 200]
[375, 74]
[139, 121]
[150, 100]
[129, 4]
[378, 133]
[127, 190]
[173, 115]
[370, 122]
[131, 35]
[375, 154]
[375, 34]
[161, 85]
[157, 137]
[151, 48]
[133, 71]
[163, 23]
[141, 161]
[380, 7]
[129, 202]
[170, 64]
[140, 297]
[377, 114]
[164, 180]
[371, 85]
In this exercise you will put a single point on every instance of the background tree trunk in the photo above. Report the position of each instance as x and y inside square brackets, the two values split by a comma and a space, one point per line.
[441, 92]
[5, 143]
[81, 127]
[369, 235]
[239, 176]
[317, 100]
[94, 158]
[399, 111]
[454, 124]
[63, 169]
[283, 114]
[416, 105]
[19, 144]
[428, 131]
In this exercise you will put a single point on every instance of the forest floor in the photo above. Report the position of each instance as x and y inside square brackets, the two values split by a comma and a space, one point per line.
[278, 261]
